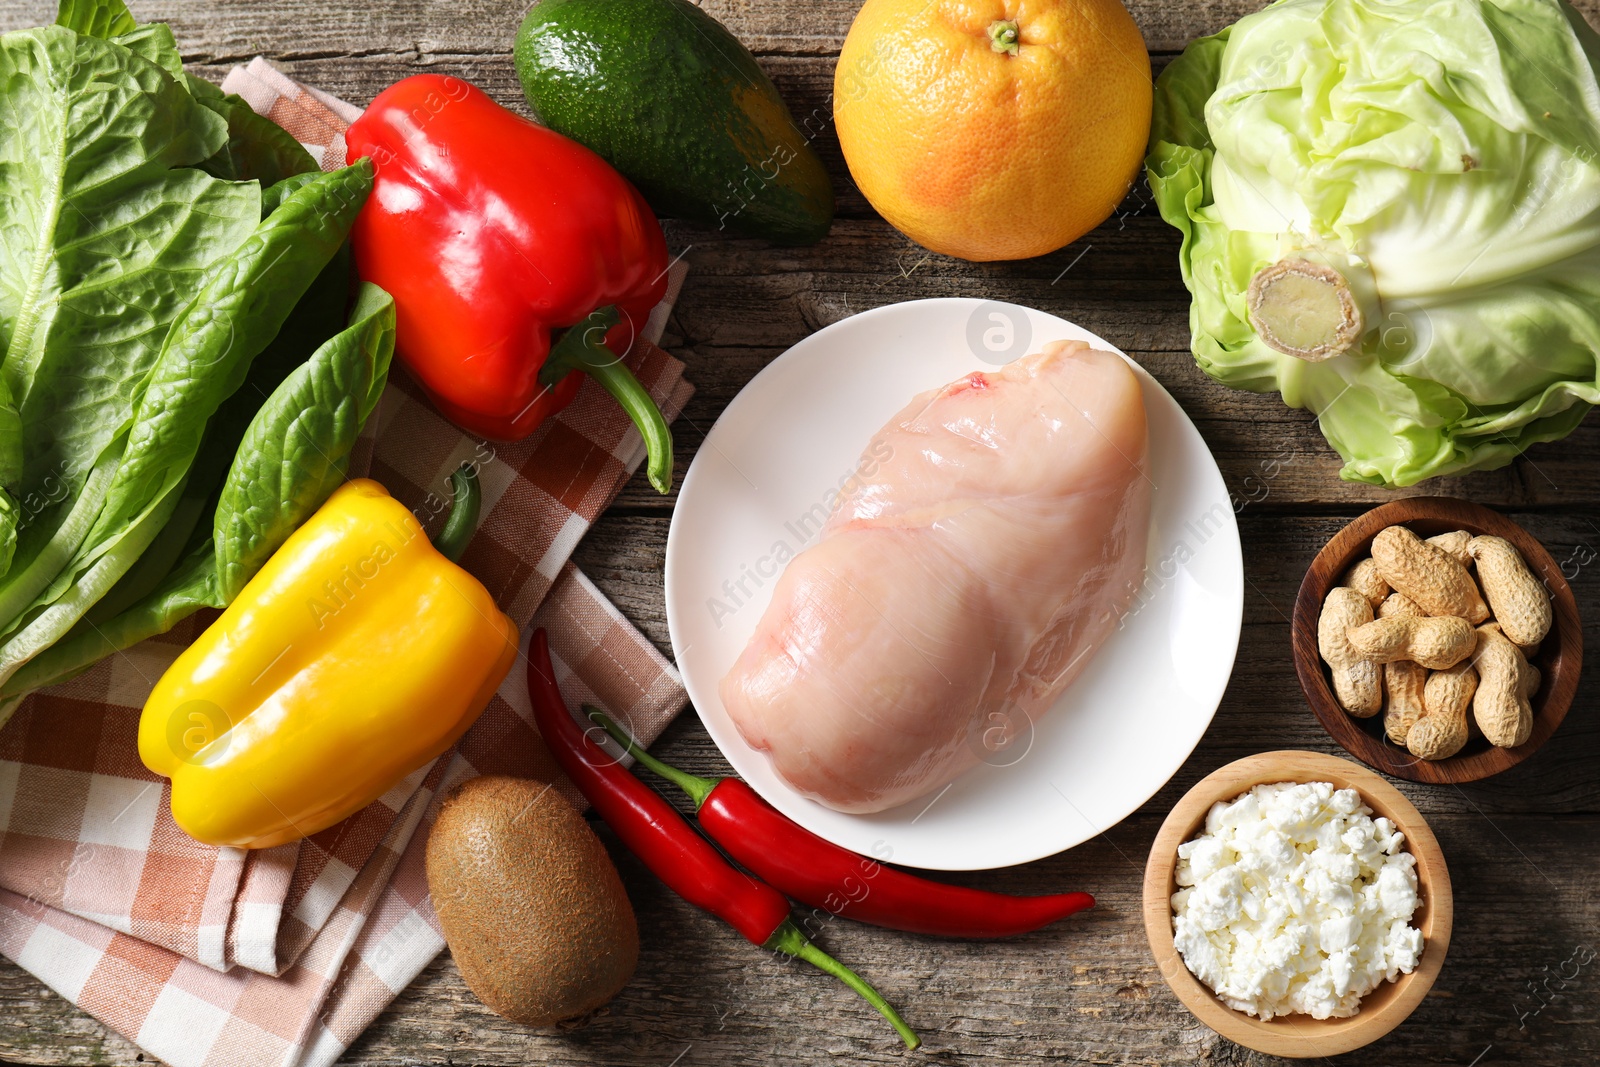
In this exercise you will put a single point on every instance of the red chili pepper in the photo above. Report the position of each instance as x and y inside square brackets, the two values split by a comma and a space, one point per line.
[817, 872]
[655, 832]
[491, 232]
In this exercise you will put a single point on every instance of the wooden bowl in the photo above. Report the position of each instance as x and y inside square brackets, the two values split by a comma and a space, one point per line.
[1300, 1036]
[1559, 660]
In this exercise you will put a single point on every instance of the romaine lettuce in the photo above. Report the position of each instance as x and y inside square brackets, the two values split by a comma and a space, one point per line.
[161, 246]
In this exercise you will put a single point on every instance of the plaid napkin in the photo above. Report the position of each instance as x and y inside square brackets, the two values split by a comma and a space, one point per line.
[208, 956]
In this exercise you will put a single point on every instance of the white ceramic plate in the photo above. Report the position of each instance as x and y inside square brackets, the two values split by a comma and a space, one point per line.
[1123, 728]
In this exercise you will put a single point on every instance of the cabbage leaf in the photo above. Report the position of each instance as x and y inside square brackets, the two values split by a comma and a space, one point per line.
[1444, 157]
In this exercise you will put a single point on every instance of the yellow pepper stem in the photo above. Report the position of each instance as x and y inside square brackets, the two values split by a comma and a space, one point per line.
[464, 507]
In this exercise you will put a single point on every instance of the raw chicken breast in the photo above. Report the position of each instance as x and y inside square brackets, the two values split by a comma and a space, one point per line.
[959, 586]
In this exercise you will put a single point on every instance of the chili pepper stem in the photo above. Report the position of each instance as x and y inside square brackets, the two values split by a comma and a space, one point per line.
[698, 788]
[583, 348]
[465, 503]
[791, 942]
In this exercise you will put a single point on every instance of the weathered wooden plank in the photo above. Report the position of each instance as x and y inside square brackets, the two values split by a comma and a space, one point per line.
[1082, 992]
[1523, 846]
[304, 28]
[39, 1027]
[1085, 991]
[300, 28]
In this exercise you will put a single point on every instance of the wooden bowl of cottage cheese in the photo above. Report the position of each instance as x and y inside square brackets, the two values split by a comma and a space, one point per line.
[1292, 885]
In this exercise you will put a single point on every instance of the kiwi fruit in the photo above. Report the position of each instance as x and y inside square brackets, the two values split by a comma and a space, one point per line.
[530, 902]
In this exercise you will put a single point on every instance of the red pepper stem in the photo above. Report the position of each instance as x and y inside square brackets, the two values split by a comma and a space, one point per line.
[787, 938]
[698, 788]
[583, 348]
[466, 501]
[791, 942]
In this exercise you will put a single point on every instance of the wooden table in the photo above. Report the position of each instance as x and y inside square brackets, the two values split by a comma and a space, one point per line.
[1524, 848]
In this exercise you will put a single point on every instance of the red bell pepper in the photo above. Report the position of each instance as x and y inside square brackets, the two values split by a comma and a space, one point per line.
[493, 233]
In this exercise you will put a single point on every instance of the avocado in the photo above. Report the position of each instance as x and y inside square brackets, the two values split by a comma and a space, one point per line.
[529, 901]
[670, 98]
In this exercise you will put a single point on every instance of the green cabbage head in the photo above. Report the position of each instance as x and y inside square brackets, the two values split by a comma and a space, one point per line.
[1391, 215]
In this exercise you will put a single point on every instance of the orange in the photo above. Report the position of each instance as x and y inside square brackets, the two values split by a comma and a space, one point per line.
[993, 129]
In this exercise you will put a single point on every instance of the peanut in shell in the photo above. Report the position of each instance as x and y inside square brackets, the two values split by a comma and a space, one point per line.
[1404, 683]
[1435, 643]
[1520, 603]
[1455, 543]
[1501, 706]
[1365, 579]
[1400, 606]
[1443, 729]
[1427, 574]
[1357, 681]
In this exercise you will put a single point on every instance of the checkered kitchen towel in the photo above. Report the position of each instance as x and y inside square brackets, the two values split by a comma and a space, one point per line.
[209, 956]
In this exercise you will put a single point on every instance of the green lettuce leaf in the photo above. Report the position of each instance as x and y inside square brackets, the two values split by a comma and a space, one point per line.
[168, 260]
[297, 449]
[235, 315]
[257, 148]
[1444, 156]
[96, 18]
[155, 43]
[293, 455]
[319, 315]
[207, 352]
[190, 587]
[105, 233]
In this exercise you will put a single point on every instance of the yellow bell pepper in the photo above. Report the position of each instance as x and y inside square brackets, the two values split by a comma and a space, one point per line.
[357, 654]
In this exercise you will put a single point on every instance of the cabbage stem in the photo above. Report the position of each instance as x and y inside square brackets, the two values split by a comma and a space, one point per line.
[1304, 309]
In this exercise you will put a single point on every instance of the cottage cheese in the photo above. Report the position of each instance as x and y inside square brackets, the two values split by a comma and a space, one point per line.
[1295, 899]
